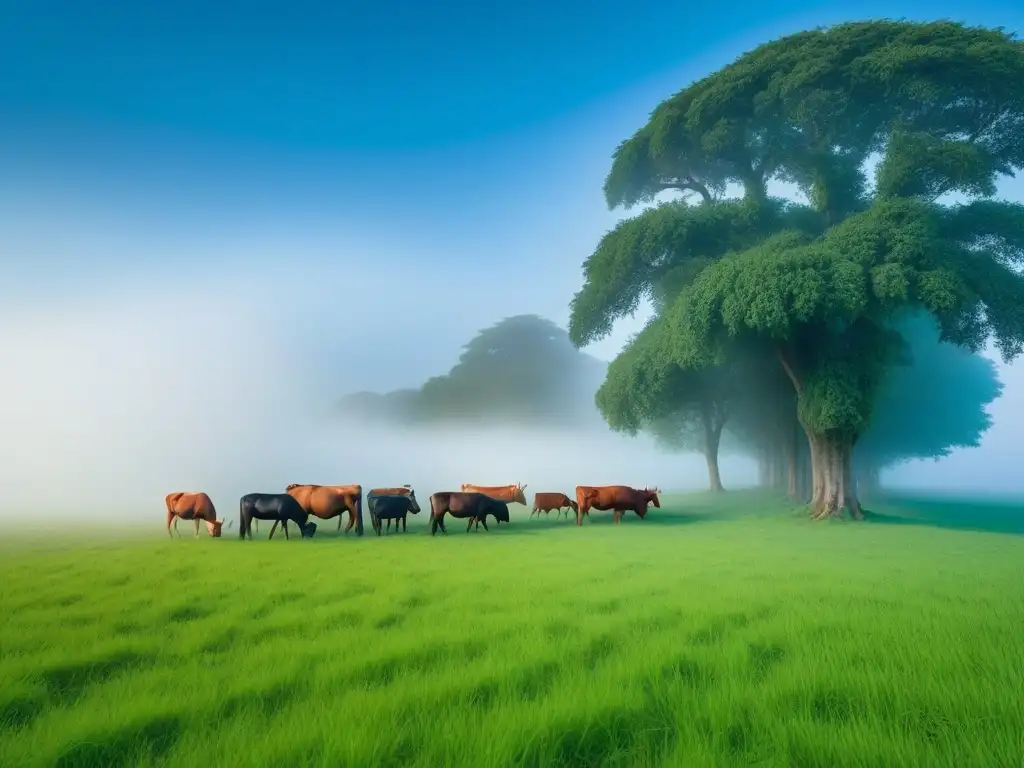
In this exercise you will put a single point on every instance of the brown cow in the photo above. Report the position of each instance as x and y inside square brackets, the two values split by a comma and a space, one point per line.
[512, 494]
[398, 490]
[615, 497]
[327, 501]
[545, 502]
[192, 506]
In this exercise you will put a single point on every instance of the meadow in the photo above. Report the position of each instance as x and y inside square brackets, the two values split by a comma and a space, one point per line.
[721, 631]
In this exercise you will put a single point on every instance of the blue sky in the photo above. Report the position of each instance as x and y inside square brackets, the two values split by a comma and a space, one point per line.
[247, 181]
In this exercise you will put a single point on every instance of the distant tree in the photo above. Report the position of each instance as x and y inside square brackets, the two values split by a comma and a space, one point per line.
[522, 370]
[928, 408]
[684, 410]
[818, 288]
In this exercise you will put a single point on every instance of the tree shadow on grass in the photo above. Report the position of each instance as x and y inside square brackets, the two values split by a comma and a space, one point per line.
[978, 515]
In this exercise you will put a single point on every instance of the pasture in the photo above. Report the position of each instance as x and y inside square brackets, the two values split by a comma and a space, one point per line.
[721, 631]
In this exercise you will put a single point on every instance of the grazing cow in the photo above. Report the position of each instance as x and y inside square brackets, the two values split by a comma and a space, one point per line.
[391, 507]
[545, 502]
[327, 501]
[398, 490]
[473, 507]
[513, 494]
[615, 497]
[279, 507]
[192, 506]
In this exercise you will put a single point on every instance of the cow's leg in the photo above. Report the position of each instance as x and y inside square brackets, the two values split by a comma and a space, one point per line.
[405, 523]
[272, 529]
[470, 525]
[284, 527]
[484, 521]
[351, 521]
[196, 521]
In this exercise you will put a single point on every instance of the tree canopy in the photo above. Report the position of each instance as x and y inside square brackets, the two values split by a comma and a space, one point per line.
[817, 289]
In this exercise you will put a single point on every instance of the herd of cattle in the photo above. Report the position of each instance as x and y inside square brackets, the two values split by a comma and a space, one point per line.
[472, 503]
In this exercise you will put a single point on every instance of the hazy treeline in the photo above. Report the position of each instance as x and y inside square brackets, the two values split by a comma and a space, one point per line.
[523, 372]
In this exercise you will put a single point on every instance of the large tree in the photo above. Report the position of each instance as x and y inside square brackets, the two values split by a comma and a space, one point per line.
[942, 107]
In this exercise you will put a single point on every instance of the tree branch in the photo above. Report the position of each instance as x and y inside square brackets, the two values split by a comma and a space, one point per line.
[798, 385]
[687, 184]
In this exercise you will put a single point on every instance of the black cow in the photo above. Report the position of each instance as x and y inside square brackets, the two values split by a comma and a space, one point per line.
[473, 507]
[391, 507]
[279, 507]
[500, 515]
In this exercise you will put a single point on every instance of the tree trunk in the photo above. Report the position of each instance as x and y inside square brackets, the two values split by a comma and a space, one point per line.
[833, 488]
[714, 476]
[763, 476]
[804, 474]
[789, 447]
[779, 468]
[712, 439]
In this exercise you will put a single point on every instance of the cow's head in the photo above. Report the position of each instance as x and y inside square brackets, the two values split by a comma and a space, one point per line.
[500, 510]
[649, 497]
[574, 506]
[308, 530]
[518, 496]
[213, 527]
[414, 506]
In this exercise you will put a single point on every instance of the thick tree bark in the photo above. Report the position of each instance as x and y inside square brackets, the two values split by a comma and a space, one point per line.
[833, 488]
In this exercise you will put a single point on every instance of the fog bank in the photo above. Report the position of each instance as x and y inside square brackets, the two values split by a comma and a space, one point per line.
[115, 397]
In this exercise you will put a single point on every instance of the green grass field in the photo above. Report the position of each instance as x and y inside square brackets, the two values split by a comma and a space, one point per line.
[719, 632]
